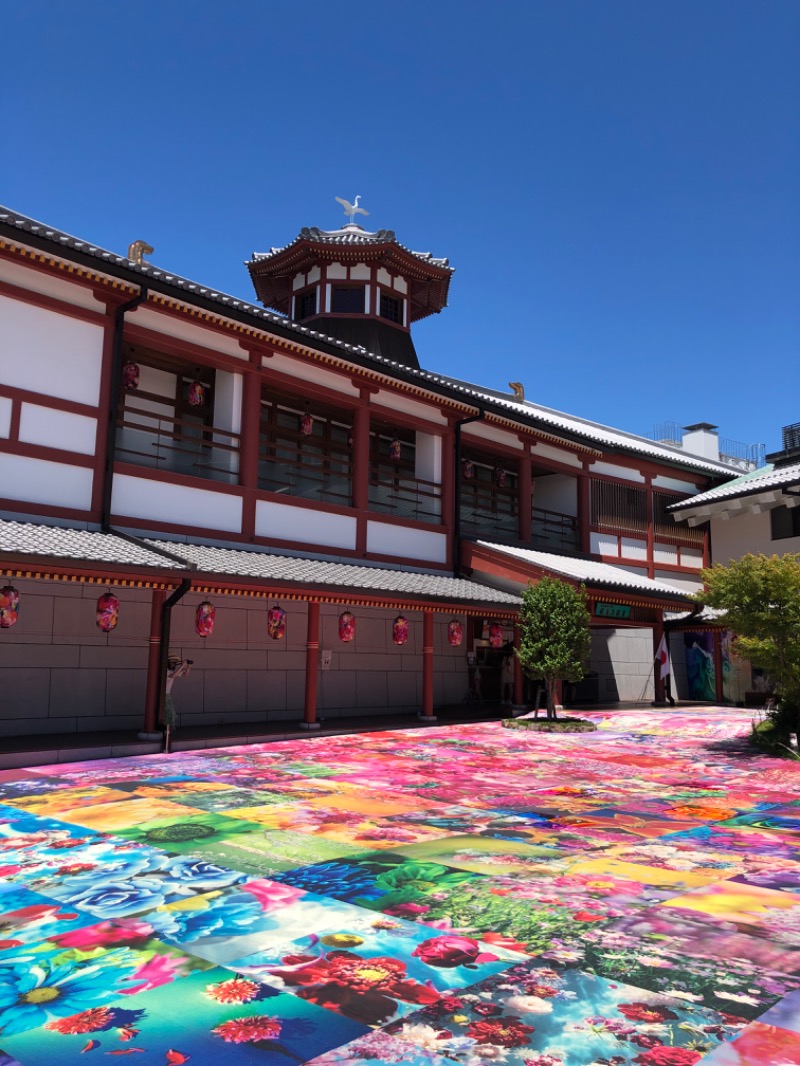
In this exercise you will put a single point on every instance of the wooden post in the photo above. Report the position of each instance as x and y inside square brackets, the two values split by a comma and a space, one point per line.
[427, 667]
[312, 668]
[584, 513]
[525, 484]
[152, 691]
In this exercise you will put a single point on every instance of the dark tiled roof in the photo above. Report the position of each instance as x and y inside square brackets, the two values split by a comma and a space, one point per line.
[757, 481]
[57, 542]
[351, 235]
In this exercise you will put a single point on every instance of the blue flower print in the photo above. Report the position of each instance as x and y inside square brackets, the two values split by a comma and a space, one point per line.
[202, 875]
[31, 992]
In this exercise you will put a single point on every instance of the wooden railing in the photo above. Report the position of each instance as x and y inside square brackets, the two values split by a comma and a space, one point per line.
[182, 447]
[305, 471]
[553, 530]
[395, 492]
[489, 511]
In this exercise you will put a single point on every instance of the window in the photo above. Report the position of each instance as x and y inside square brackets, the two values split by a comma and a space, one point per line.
[785, 522]
[305, 305]
[347, 300]
[391, 308]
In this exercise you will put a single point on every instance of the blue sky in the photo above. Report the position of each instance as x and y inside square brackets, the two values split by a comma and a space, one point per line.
[615, 181]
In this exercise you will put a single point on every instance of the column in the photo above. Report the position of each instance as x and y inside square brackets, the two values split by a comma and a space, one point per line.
[584, 513]
[519, 694]
[525, 497]
[248, 456]
[152, 691]
[427, 667]
[651, 566]
[658, 684]
[448, 483]
[312, 668]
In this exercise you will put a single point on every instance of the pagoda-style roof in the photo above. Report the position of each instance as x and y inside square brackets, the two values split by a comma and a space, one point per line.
[273, 271]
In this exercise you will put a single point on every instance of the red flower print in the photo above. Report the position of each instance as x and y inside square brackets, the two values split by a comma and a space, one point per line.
[451, 950]
[643, 1012]
[236, 990]
[87, 1021]
[248, 1030]
[506, 1031]
[668, 1056]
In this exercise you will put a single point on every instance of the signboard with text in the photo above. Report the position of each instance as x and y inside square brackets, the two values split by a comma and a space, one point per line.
[612, 610]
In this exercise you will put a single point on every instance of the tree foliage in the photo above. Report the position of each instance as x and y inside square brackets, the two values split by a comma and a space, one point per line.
[554, 634]
[761, 597]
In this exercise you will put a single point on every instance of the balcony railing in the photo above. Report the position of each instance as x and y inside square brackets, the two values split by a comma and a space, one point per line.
[182, 447]
[286, 467]
[396, 493]
[489, 511]
[554, 531]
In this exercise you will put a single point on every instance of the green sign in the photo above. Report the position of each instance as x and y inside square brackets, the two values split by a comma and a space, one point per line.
[612, 610]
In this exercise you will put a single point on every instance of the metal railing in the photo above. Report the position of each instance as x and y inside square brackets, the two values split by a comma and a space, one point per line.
[182, 447]
[489, 511]
[395, 492]
[551, 529]
[307, 472]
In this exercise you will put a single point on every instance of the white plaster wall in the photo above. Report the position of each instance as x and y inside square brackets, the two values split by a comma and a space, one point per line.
[280, 521]
[613, 470]
[623, 661]
[692, 557]
[45, 352]
[404, 542]
[337, 271]
[561, 455]
[744, 534]
[5, 416]
[680, 581]
[176, 326]
[161, 501]
[60, 289]
[489, 433]
[57, 429]
[384, 277]
[665, 553]
[603, 544]
[309, 372]
[556, 492]
[632, 548]
[360, 272]
[40, 481]
[410, 407]
[428, 457]
[401, 285]
[662, 482]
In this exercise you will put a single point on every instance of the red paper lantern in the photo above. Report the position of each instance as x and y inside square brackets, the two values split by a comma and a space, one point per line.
[9, 607]
[495, 635]
[500, 476]
[204, 618]
[306, 424]
[469, 470]
[107, 612]
[400, 630]
[395, 450]
[197, 394]
[276, 622]
[130, 377]
[455, 633]
[347, 627]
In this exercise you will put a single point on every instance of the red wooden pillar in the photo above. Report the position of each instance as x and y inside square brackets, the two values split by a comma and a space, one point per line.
[312, 668]
[719, 678]
[651, 566]
[658, 684]
[518, 680]
[525, 497]
[427, 667]
[152, 691]
[248, 456]
[584, 513]
[448, 489]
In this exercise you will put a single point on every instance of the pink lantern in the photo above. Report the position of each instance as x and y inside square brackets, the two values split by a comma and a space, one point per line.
[306, 424]
[9, 607]
[400, 630]
[347, 627]
[204, 618]
[500, 476]
[276, 622]
[455, 633]
[197, 394]
[395, 450]
[107, 612]
[469, 470]
[495, 635]
[130, 377]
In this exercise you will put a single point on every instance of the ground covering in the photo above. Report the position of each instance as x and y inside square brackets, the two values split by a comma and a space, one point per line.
[468, 894]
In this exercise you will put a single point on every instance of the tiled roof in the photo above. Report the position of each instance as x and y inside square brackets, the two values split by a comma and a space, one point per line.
[28, 538]
[350, 235]
[593, 573]
[525, 413]
[286, 568]
[763, 480]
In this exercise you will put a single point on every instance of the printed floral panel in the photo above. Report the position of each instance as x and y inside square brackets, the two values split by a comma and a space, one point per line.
[758, 1045]
[27, 917]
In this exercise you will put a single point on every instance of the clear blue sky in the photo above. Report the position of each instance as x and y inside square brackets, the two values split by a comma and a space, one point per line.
[616, 181]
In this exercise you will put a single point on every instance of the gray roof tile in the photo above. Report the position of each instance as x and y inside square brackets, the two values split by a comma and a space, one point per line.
[763, 480]
[28, 538]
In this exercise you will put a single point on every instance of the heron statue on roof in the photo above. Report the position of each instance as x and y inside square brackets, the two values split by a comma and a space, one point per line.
[351, 210]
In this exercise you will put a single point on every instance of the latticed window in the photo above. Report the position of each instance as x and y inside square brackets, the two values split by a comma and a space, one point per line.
[391, 308]
[489, 497]
[666, 528]
[394, 487]
[305, 305]
[618, 508]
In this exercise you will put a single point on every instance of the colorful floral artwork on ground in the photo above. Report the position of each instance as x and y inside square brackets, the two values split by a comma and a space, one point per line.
[463, 895]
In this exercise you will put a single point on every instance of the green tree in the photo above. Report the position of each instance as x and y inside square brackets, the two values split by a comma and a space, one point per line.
[554, 634]
[760, 595]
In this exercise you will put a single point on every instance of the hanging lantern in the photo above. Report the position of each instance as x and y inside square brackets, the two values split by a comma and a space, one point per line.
[197, 394]
[130, 377]
[495, 635]
[400, 630]
[306, 424]
[9, 607]
[350, 439]
[455, 633]
[107, 612]
[469, 470]
[395, 450]
[204, 619]
[500, 476]
[347, 627]
[276, 622]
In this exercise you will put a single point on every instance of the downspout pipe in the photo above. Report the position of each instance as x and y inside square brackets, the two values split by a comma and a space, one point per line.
[457, 482]
[163, 651]
[116, 384]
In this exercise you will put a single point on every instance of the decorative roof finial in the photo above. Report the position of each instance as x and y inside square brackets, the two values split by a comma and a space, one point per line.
[351, 210]
[138, 250]
[519, 390]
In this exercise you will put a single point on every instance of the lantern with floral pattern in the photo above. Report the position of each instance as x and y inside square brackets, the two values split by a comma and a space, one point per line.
[130, 376]
[400, 630]
[197, 394]
[500, 477]
[204, 618]
[276, 622]
[455, 633]
[495, 635]
[395, 450]
[469, 470]
[107, 612]
[347, 627]
[306, 424]
[9, 607]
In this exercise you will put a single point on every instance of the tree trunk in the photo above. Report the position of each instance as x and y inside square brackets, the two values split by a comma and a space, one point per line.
[550, 683]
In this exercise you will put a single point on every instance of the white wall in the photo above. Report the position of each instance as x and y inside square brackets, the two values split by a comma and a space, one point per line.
[556, 492]
[623, 661]
[161, 501]
[747, 533]
[304, 525]
[403, 542]
[42, 482]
